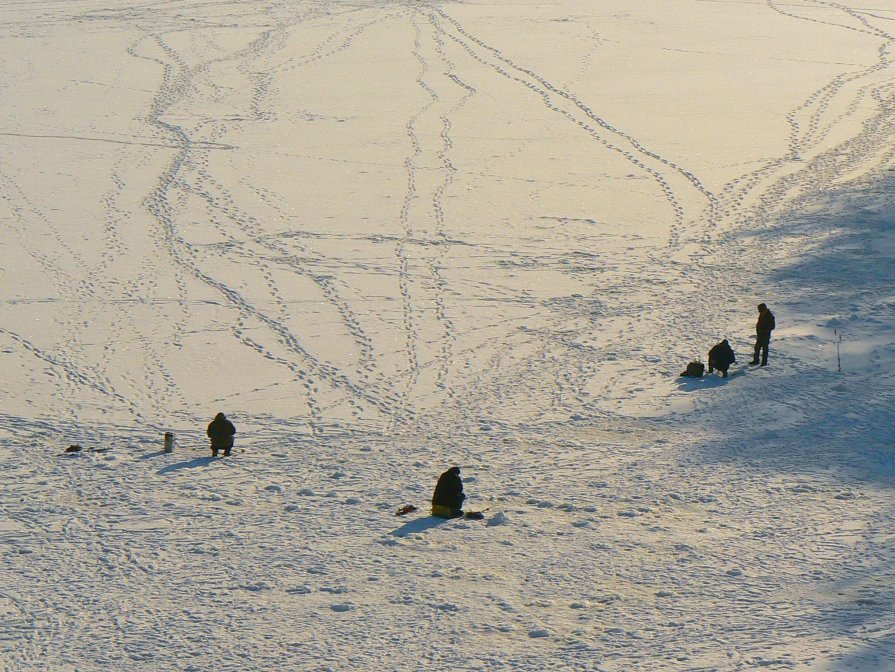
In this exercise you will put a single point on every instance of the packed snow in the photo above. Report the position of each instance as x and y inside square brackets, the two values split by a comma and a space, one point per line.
[390, 236]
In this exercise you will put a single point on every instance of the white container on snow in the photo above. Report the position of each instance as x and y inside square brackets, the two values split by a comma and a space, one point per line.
[169, 442]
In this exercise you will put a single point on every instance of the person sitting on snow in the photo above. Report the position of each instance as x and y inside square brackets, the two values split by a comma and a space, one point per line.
[721, 357]
[447, 500]
[221, 432]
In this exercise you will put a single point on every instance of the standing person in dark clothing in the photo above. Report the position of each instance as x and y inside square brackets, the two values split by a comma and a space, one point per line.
[447, 500]
[721, 357]
[221, 432]
[763, 329]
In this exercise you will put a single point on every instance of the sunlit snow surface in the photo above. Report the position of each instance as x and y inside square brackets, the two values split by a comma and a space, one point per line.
[386, 237]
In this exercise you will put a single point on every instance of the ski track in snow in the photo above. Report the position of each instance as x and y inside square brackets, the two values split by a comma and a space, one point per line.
[634, 520]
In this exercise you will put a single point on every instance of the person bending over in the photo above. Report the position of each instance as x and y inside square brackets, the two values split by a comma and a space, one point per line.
[447, 500]
[221, 432]
[721, 357]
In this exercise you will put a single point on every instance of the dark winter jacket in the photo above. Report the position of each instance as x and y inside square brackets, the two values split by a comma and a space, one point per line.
[449, 490]
[721, 356]
[221, 432]
[766, 323]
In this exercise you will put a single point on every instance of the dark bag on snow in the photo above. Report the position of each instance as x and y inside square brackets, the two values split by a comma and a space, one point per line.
[694, 370]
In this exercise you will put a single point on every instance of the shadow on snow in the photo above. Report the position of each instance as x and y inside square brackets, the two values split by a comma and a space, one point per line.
[418, 525]
[800, 414]
[189, 464]
[801, 417]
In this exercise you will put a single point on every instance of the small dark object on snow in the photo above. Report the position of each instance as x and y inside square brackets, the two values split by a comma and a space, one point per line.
[694, 370]
[75, 448]
[404, 510]
[474, 515]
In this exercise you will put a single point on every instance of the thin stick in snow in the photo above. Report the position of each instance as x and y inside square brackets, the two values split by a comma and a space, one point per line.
[838, 358]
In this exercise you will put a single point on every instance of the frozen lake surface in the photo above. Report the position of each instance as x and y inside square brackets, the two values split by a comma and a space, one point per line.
[389, 237]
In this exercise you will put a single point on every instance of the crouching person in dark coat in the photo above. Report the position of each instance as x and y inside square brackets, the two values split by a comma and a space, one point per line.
[447, 500]
[721, 357]
[221, 432]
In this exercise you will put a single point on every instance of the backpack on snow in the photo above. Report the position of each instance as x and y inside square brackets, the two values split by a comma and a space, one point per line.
[694, 370]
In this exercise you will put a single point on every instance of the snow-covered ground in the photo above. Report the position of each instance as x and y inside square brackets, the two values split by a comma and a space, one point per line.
[389, 236]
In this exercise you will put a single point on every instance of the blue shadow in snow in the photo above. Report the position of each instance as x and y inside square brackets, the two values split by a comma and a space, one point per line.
[177, 466]
[419, 525]
[711, 379]
[149, 456]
